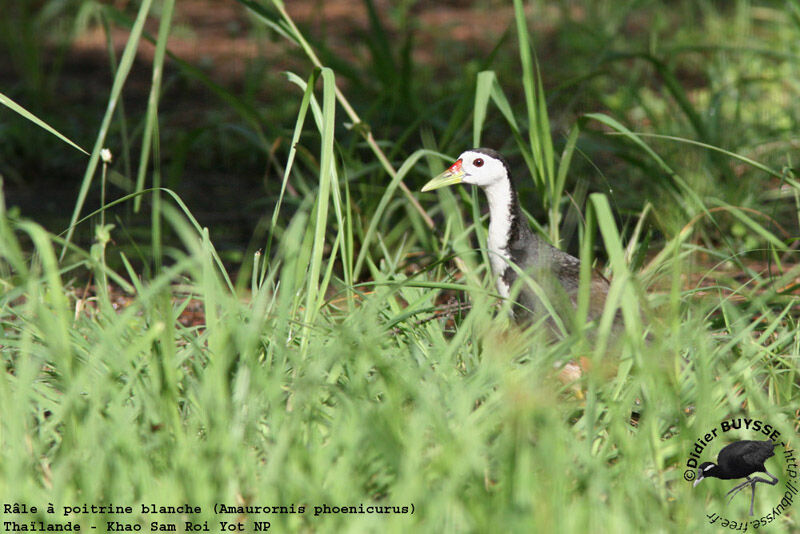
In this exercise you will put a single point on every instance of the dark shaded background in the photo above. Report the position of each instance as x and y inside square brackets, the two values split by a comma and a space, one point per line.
[408, 67]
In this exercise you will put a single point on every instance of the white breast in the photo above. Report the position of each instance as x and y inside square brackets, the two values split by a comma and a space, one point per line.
[498, 256]
[499, 197]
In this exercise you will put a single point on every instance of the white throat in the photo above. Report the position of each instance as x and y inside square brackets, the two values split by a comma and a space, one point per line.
[499, 197]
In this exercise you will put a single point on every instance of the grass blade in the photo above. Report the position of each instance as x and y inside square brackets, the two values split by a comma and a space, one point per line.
[125, 64]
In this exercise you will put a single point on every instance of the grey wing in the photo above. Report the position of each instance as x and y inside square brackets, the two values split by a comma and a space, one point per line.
[567, 268]
[744, 454]
[756, 453]
[555, 271]
[564, 266]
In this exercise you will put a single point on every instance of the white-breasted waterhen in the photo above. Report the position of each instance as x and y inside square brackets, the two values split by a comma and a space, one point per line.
[510, 239]
[737, 460]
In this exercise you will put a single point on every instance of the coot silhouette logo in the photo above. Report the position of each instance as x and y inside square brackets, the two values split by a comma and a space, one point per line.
[749, 449]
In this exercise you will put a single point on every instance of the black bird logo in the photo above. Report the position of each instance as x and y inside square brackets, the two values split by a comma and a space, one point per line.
[737, 460]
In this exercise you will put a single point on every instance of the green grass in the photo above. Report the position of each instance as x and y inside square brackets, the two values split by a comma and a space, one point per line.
[324, 370]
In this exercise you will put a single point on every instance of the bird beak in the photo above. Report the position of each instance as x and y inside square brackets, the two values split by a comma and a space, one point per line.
[453, 175]
[697, 481]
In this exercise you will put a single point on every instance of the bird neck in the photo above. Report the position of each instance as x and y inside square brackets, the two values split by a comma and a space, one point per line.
[715, 471]
[507, 224]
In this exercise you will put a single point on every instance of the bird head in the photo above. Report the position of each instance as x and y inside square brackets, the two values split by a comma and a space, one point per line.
[701, 472]
[480, 166]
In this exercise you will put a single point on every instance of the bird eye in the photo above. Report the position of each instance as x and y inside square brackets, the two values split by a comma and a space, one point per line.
[478, 162]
